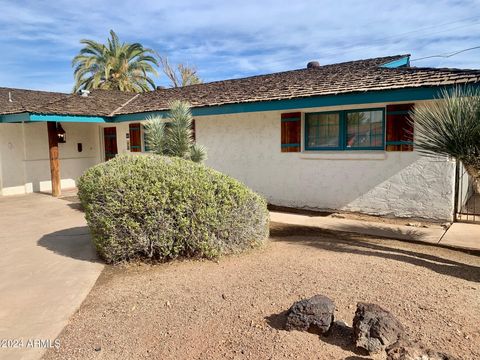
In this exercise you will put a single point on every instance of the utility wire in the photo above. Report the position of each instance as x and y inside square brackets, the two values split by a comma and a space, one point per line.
[422, 31]
[446, 55]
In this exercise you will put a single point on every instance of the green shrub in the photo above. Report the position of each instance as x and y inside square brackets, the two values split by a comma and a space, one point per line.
[160, 208]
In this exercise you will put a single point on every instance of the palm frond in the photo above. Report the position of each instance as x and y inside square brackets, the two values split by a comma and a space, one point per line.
[117, 63]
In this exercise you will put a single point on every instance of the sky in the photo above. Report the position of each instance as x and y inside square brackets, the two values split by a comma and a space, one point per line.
[231, 39]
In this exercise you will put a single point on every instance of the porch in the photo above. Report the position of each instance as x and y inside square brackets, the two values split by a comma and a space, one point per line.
[49, 156]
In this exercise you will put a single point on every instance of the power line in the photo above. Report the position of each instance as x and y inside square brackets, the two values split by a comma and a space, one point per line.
[446, 55]
[422, 31]
[416, 31]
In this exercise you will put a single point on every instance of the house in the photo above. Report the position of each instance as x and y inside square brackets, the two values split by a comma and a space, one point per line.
[332, 137]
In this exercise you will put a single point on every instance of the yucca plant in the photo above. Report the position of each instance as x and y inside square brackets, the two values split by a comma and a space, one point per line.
[114, 66]
[174, 136]
[450, 127]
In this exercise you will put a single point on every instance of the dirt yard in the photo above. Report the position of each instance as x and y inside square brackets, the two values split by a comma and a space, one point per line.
[234, 308]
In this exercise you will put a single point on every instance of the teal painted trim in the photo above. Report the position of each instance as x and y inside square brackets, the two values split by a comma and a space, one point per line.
[380, 147]
[291, 120]
[399, 112]
[399, 142]
[290, 145]
[384, 96]
[341, 121]
[402, 62]
[67, 118]
[14, 118]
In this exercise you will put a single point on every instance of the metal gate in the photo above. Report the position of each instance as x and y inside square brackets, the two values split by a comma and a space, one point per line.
[467, 200]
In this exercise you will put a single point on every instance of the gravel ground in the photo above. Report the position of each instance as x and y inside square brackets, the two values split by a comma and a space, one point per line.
[234, 308]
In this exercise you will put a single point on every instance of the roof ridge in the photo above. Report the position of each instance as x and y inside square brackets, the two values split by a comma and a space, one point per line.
[390, 58]
[124, 104]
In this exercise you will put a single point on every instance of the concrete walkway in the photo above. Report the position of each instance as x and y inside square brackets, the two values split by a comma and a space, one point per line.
[461, 235]
[47, 268]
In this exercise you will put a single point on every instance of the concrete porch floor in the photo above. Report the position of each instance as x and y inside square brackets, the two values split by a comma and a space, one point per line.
[47, 268]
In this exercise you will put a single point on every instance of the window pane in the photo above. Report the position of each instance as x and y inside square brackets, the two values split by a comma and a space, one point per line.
[323, 130]
[364, 129]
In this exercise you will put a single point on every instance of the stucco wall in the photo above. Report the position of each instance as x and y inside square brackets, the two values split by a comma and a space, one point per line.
[247, 147]
[24, 156]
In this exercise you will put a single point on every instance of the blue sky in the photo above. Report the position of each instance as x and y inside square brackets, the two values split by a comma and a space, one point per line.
[230, 39]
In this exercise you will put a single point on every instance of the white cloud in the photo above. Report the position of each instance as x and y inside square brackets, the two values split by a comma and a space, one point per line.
[233, 38]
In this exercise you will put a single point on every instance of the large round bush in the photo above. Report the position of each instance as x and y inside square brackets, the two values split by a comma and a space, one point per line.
[159, 208]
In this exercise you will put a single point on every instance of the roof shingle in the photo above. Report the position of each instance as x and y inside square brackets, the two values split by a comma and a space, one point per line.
[13, 101]
[347, 77]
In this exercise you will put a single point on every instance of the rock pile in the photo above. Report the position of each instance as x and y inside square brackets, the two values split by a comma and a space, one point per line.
[374, 328]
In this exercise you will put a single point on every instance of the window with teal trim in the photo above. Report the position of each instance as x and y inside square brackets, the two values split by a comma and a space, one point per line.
[364, 129]
[345, 130]
[323, 131]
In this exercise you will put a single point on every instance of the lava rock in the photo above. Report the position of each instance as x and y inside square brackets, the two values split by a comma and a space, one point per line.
[374, 328]
[406, 350]
[315, 313]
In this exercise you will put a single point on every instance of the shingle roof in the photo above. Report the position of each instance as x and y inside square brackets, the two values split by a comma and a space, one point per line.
[347, 77]
[14, 101]
[97, 103]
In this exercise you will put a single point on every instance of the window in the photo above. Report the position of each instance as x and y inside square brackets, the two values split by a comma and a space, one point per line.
[364, 129]
[323, 131]
[345, 130]
[399, 128]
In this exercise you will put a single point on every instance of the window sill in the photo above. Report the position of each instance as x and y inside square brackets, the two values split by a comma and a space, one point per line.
[344, 155]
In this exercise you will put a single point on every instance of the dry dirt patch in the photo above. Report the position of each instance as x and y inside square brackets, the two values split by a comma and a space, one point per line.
[233, 308]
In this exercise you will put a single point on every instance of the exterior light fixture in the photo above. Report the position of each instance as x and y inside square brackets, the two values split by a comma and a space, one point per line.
[61, 134]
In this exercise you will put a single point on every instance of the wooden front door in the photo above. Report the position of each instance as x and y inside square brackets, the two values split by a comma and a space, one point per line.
[110, 141]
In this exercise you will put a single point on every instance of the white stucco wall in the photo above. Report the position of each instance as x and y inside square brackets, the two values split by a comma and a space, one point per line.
[24, 156]
[247, 147]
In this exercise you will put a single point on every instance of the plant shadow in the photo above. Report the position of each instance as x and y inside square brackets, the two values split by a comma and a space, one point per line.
[73, 242]
[345, 242]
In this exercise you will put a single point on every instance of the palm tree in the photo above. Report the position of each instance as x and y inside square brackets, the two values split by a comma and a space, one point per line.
[114, 66]
[175, 137]
[183, 75]
[451, 127]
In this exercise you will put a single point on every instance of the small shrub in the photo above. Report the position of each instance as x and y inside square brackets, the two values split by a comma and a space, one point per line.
[160, 208]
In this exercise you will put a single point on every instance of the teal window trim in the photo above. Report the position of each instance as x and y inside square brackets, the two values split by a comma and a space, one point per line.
[323, 148]
[380, 147]
[290, 145]
[294, 119]
[399, 143]
[342, 136]
[399, 112]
